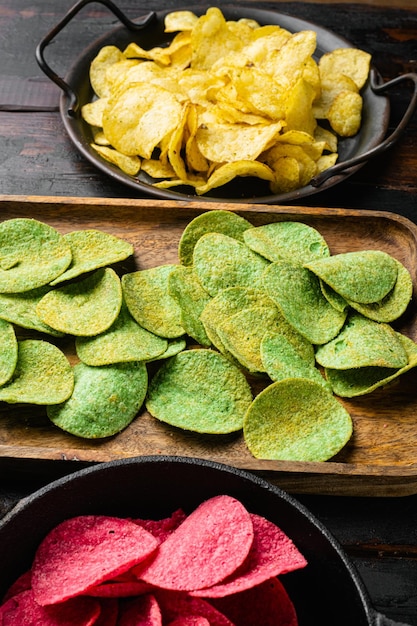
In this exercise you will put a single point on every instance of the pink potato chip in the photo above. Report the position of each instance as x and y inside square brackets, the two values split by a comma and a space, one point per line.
[164, 527]
[211, 543]
[272, 553]
[23, 609]
[83, 552]
[268, 604]
[142, 611]
[177, 604]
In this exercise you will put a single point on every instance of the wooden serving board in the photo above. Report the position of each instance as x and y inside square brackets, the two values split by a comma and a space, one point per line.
[380, 459]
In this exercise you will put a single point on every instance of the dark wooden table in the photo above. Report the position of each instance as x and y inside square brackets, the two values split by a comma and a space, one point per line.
[38, 159]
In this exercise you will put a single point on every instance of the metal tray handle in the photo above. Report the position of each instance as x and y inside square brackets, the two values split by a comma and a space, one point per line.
[39, 53]
[377, 88]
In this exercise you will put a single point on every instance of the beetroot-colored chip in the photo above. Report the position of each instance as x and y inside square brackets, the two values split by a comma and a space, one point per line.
[268, 604]
[272, 553]
[23, 609]
[143, 611]
[109, 611]
[83, 552]
[209, 545]
[164, 527]
[120, 589]
[23, 583]
[177, 604]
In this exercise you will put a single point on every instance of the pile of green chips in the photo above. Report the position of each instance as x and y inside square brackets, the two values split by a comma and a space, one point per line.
[245, 306]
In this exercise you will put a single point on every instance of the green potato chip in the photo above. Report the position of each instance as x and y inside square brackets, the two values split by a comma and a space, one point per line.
[20, 309]
[186, 289]
[242, 333]
[362, 343]
[123, 342]
[32, 254]
[146, 293]
[291, 241]
[282, 360]
[105, 400]
[87, 307]
[394, 304]
[363, 276]
[92, 249]
[9, 350]
[363, 380]
[221, 262]
[334, 298]
[174, 347]
[201, 391]
[296, 420]
[215, 221]
[296, 291]
[43, 375]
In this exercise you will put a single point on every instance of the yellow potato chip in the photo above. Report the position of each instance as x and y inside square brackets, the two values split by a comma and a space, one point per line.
[128, 164]
[345, 113]
[179, 20]
[229, 171]
[98, 68]
[352, 62]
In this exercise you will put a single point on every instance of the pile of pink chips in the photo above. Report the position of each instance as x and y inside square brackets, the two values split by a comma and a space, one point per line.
[217, 566]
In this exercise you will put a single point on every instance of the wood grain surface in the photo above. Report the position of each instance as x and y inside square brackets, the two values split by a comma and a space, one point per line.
[381, 454]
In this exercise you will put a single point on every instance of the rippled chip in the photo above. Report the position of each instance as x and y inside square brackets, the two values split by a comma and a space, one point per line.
[365, 276]
[296, 291]
[123, 342]
[281, 359]
[105, 400]
[199, 390]
[362, 343]
[129, 164]
[221, 262]
[351, 62]
[186, 289]
[92, 249]
[32, 254]
[216, 221]
[394, 304]
[8, 354]
[85, 308]
[43, 375]
[359, 381]
[293, 241]
[296, 420]
[20, 309]
[146, 293]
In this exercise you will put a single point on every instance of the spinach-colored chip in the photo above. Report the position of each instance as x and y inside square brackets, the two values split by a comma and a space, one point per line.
[296, 420]
[105, 400]
[201, 391]
[8, 352]
[186, 289]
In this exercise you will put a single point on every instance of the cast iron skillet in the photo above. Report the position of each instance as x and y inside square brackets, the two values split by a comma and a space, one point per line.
[327, 592]
[148, 31]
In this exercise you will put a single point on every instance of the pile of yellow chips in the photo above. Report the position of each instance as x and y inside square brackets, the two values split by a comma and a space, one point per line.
[225, 99]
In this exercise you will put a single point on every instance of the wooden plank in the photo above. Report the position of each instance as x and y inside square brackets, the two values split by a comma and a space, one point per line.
[379, 460]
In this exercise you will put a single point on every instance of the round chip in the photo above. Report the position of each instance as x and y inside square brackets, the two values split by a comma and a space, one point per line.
[104, 401]
[199, 390]
[364, 276]
[211, 543]
[146, 293]
[92, 249]
[216, 221]
[296, 291]
[84, 551]
[296, 420]
[20, 309]
[293, 241]
[221, 262]
[87, 307]
[186, 289]
[32, 254]
[43, 375]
